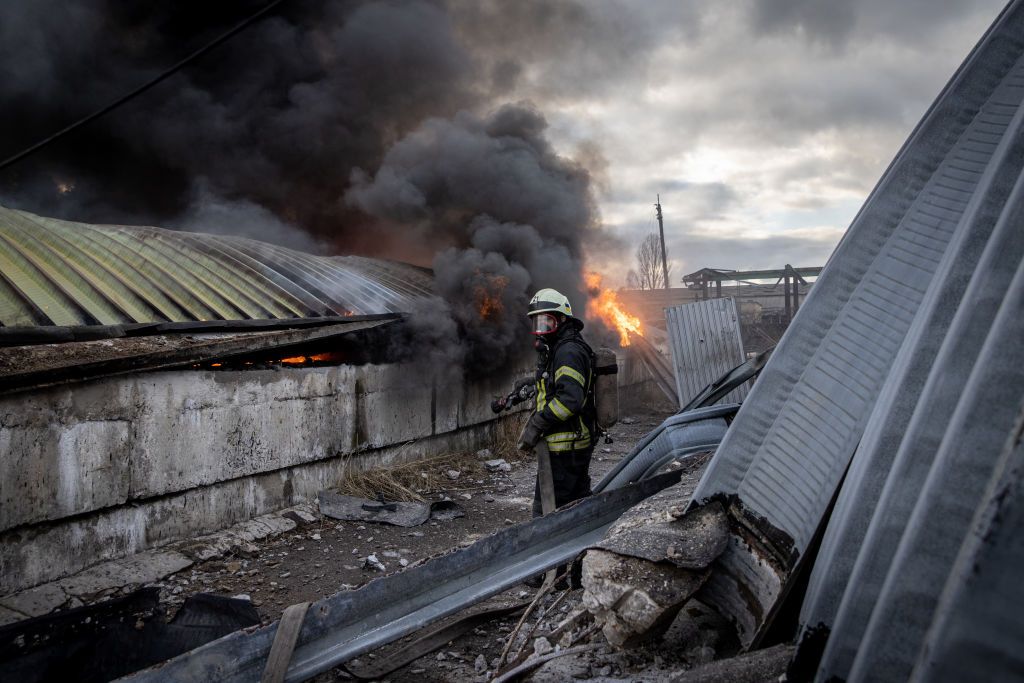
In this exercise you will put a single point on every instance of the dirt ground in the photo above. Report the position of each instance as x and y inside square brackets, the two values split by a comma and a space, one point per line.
[325, 556]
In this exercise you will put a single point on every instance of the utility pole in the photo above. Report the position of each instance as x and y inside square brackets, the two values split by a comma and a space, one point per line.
[661, 229]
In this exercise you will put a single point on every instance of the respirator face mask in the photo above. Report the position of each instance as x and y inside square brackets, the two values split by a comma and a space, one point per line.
[544, 323]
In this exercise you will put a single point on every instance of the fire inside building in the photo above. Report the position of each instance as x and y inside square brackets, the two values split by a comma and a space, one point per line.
[841, 499]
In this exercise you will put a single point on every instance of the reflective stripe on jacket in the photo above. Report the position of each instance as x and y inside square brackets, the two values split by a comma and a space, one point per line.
[562, 389]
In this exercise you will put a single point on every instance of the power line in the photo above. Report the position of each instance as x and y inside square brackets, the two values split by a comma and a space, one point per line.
[141, 89]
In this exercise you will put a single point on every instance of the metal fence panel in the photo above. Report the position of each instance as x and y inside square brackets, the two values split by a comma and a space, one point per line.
[706, 344]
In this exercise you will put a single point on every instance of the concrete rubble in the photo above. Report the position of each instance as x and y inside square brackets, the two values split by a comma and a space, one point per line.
[651, 563]
[633, 598]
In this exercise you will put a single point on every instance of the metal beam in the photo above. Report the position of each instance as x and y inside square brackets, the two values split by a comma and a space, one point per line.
[348, 624]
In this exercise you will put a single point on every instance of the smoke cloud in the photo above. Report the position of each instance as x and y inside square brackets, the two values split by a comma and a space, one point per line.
[513, 213]
[371, 127]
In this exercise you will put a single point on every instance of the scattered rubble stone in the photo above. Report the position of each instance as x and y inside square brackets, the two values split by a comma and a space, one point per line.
[453, 474]
[301, 517]
[541, 646]
[499, 465]
[371, 562]
[484, 454]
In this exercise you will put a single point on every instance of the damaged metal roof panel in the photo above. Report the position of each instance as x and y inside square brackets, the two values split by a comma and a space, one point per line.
[978, 617]
[917, 403]
[952, 490]
[706, 343]
[793, 438]
[55, 272]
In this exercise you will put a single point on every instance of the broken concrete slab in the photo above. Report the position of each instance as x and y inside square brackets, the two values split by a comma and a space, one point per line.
[8, 616]
[633, 598]
[239, 538]
[135, 570]
[692, 541]
[352, 508]
[300, 517]
[36, 601]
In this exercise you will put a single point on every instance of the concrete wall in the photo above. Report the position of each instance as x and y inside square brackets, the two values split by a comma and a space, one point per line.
[104, 469]
[108, 468]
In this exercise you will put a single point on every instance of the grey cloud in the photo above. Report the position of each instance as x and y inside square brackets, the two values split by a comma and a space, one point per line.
[571, 50]
[827, 21]
[693, 252]
[838, 24]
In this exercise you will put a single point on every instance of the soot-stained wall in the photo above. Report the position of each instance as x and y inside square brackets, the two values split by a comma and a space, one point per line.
[108, 468]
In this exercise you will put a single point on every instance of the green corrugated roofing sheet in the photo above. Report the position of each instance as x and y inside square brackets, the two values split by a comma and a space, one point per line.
[55, 272]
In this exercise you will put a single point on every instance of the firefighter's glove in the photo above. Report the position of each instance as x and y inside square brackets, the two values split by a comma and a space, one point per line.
[531, 433]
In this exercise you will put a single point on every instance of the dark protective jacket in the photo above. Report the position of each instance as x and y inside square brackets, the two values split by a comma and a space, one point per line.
[564, 398]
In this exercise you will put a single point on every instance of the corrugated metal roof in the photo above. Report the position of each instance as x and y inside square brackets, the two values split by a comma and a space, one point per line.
[791, 442]
[964, 456]
[977, 628]
[706, 343]
[925, 389]
[55, 272]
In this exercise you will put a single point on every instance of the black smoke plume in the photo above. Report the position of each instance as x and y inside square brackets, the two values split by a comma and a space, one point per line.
[373, 127]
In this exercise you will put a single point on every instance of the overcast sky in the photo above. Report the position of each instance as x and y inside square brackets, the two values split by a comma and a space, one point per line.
[762, 124]
[401, 128]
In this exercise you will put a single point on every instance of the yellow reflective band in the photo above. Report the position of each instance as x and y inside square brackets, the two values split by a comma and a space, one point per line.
[569, 372]
[559, 409]
[570, 444]
[541, 396]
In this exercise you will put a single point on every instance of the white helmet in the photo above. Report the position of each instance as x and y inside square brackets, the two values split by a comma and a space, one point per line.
[543, 307]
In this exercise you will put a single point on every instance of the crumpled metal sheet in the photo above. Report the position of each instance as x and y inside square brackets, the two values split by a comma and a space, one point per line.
[406, 514]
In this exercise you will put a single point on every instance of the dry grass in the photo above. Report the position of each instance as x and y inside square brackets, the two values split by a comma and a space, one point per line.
[407, 481]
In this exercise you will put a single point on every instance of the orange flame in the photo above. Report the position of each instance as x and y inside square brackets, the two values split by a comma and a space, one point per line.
[605, 304]
[488, 295]
[328, 357]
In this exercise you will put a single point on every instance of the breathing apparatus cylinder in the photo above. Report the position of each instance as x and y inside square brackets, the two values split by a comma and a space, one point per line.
[606, 387]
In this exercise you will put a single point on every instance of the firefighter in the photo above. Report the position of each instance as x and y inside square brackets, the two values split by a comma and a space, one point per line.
[564, 415]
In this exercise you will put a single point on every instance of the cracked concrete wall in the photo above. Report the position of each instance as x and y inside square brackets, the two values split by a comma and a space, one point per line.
[104, 469]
